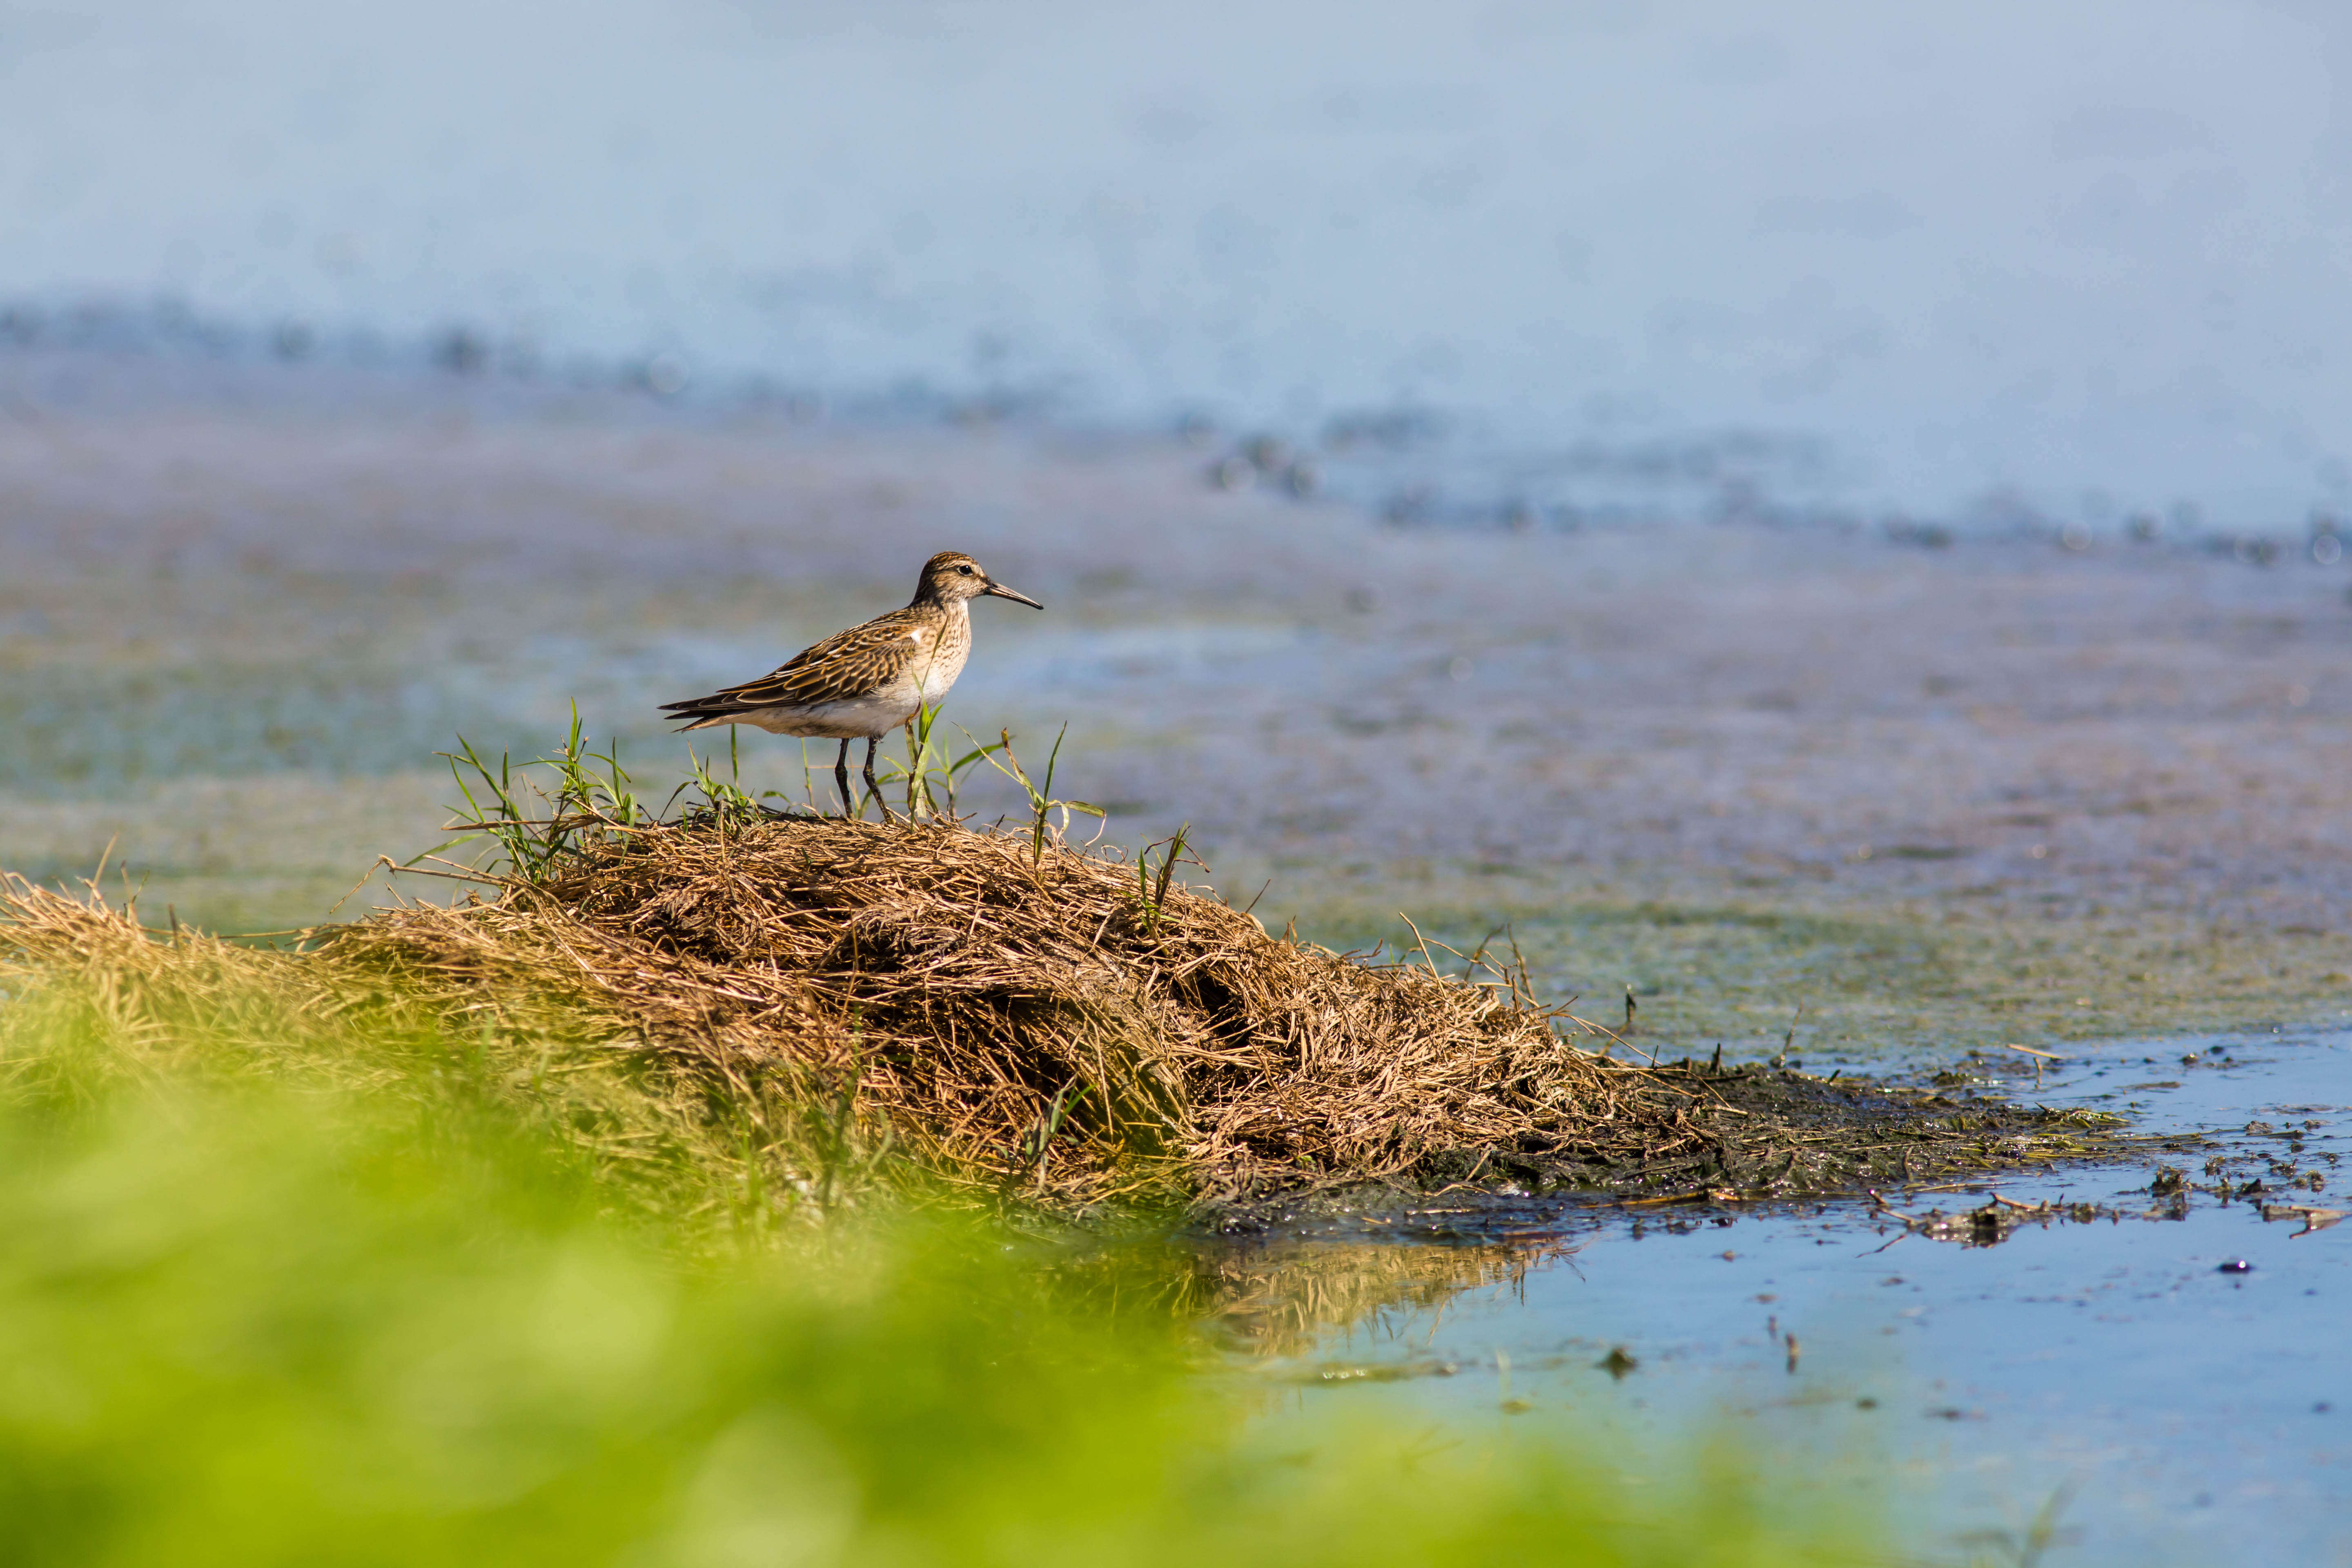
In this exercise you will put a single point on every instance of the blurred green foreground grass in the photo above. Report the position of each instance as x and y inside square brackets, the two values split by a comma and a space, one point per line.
[252, 1323]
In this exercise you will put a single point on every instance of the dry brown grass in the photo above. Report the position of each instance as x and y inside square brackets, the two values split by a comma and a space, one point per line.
[731, 1018]
[1019, 1020]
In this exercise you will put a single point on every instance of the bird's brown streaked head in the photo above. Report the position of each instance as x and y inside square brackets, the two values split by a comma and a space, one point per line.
[952, 577]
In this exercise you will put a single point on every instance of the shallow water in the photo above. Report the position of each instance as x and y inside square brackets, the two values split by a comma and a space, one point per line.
[2177, 1413]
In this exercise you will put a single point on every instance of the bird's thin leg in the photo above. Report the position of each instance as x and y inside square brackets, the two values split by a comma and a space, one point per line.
[841, 774]
[873, 788]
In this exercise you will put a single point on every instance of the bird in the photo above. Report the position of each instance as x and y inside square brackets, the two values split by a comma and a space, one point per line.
[867, 681]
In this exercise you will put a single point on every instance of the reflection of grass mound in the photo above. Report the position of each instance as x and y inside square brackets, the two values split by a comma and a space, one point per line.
[1017, 1018]
[1286, 1297]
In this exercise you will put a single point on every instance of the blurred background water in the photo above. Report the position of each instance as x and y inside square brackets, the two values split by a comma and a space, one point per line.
[1975, 264]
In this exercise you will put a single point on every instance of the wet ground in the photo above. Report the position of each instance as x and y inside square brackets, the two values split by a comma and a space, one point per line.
[2154, 1373]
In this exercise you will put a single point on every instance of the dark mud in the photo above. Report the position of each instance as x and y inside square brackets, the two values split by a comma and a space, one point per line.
[1772, 1133]
[1752, 1133]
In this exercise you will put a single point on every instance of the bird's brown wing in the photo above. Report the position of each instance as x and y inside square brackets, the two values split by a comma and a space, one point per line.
[843, 667]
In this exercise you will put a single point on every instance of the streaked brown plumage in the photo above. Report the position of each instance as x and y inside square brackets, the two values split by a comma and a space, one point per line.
[869, 679]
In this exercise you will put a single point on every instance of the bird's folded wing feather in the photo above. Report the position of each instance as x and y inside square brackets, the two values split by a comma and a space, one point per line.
[843, 667]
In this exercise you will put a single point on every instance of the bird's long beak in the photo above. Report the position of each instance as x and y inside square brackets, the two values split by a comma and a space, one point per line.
[1002, 592]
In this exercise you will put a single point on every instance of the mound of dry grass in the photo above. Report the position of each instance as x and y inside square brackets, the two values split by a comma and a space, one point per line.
[1023, 1019]
[729, 1017]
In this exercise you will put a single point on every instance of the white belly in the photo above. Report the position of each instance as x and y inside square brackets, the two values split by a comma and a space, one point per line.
[836, 721]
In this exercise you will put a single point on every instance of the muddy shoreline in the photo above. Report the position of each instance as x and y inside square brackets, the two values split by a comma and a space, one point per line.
[1757, 1136]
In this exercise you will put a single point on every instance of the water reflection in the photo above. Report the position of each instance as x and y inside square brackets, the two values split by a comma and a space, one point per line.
[1292, 1297]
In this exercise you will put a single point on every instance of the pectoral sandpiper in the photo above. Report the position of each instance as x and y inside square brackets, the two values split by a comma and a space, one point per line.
[868, 680]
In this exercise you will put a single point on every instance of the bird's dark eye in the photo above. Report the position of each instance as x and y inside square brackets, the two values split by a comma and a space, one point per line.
[965, 570]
